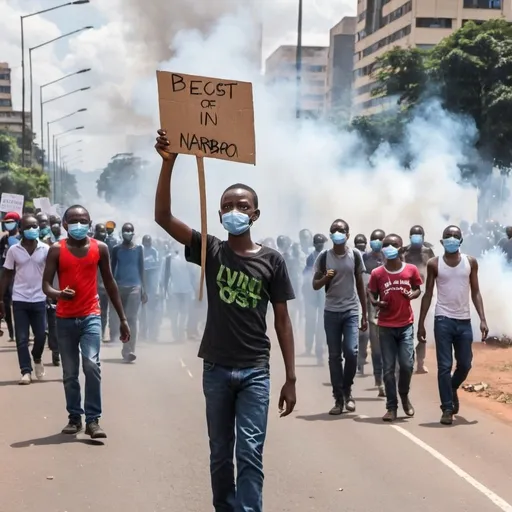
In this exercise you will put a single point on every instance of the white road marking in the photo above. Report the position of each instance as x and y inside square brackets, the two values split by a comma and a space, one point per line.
[183, 365]
[190, 374]
[492, 496]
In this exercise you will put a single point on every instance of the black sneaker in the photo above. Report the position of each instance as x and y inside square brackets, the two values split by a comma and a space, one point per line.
[456, 404]
[350, 403]
[337, 409]
[55, 359]
[94, 430]
[407, 406]
[389, 416]
[447, 418]
[73, 427]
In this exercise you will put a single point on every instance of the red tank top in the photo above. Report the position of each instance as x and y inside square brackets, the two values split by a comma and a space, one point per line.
[81, 275]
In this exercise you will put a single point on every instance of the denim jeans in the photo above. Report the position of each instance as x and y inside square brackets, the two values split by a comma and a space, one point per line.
[342, 333]
[29, 315]
[452, 336]
[372, 335]
[75, 336]
[397, 343]
[237, 402]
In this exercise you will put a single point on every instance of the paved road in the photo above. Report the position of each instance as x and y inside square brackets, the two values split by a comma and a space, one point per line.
[156, 456]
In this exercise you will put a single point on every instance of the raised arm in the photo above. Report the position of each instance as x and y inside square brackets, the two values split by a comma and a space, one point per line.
[163, 213]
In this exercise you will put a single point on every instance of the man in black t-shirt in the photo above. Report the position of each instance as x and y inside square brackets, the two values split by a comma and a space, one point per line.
[241, 279]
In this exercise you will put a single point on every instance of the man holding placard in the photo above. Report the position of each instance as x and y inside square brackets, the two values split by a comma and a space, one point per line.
[241, 279]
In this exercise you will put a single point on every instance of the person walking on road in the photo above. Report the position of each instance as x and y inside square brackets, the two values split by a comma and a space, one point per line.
[340, 271]
[456, 277]
[76, 261]
[241, 279]
[392, 287]
[100, 234]
[26, 261]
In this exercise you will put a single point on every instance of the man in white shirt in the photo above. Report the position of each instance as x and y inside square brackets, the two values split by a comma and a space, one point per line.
[26, 261]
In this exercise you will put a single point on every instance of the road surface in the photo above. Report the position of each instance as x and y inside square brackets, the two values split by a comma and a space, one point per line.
[156, 456]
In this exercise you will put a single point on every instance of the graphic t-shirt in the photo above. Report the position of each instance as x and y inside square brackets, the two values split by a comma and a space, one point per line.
[391, 287]
[239, 289]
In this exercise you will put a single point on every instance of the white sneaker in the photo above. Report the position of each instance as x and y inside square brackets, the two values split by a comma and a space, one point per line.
[26, 378]
[39, 368]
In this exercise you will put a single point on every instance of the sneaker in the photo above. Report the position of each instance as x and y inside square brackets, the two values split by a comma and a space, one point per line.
[456, 404]
[421, 370]
[382, 392]
[129, 358]
[389, 416]
[407, 406]
[350, 403]
[39, 370]
[94, 430]
[447, 418]
[73, 427]
[337, 409]
[55, 359]
[26, 378]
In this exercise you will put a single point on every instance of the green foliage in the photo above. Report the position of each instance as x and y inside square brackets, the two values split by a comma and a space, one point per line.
[119, 180]
[14, 179]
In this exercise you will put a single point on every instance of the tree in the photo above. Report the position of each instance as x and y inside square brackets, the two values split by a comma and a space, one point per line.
[9, 150]
[119, 180]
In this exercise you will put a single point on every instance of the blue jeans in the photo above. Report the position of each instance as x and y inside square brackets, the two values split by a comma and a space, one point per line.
[75, 336]
[397, 343]
[237, 402]
[27, 315]
[452, 336]
[342, 333]
[371, 335]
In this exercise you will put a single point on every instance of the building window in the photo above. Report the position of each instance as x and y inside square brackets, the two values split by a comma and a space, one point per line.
[6, 89]
[483, 4]
[366, 88]
[361, 17]
[386, 41]
[476, 22]
[5, 76]
[365, 70]
[5, 103]
[434, 22]
[313, 68]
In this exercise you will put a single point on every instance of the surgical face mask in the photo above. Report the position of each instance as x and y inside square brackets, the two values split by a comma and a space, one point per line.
[127, 236]
[376, 245]
[390, 252]
[338, 238]
[31, 233]
[451, 245]
[78, 231]
[236, 223]
[9, 226]
[45, 231]
[417, 239]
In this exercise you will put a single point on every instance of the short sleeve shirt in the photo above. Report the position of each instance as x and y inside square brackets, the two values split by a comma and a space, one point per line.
[239, 289]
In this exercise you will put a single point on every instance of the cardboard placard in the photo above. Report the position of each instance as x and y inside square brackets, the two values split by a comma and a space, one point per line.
[12, 203]
[207, 117]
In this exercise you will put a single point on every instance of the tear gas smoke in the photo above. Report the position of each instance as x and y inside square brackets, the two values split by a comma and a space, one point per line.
[308, 173]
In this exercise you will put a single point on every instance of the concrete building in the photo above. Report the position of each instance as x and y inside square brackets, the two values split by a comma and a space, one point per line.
[280, 67]
[10, 120]
[340, 65]
[384, 24]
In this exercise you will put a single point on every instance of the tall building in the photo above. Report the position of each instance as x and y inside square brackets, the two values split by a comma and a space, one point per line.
[281, 67]
[10, 120]
[340, 65]
[383, 24]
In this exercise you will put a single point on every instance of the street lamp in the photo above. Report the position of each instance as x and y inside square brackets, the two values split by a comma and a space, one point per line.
[22, 18]
[31, 75]
[71, 143]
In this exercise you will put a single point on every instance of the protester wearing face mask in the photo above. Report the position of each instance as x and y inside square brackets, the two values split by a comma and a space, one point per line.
[56, 228]
[45, 232]
[456, 278]
[11, 237]
[340, 271]
[314, 302]
[28, 259]
[235, 346]
[76, 261]
[128, 270]
[392, 287]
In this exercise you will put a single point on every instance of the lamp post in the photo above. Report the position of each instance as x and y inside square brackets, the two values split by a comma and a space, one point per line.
[42, 103]
[22, 19]
[299, 61]
[56, 156]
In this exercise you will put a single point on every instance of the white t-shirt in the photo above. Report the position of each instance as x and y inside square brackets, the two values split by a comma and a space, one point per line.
[28, 280]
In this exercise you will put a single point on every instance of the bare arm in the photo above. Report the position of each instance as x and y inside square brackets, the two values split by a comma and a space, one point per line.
[50, 269]
[320, 280]
[429, 290]
[284, 331]
[109, 282]
[476, 296]
[163, 213]
[361, 292]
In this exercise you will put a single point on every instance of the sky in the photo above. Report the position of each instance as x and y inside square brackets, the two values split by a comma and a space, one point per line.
[129, 40]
